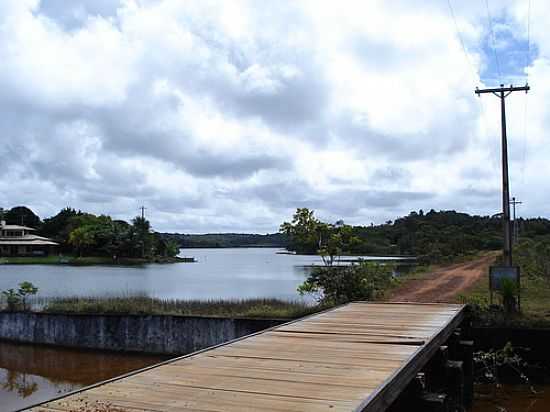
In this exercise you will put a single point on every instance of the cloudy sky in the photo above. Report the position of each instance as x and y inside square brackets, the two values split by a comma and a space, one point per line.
[227, 115]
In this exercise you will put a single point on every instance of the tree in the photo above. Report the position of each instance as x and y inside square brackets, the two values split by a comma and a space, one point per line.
[304, 232]
[59, 228]
[81, 238]
[22, 215]
[142, 229]
[341, 284]
[26, 289]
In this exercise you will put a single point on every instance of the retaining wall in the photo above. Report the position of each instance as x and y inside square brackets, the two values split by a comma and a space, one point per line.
[159, 334]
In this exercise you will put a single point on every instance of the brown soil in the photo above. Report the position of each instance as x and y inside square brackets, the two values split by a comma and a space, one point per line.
[445, 283]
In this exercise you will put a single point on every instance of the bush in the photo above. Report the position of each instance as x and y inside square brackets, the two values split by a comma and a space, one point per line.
[18, 299]
[334, 285]
[12, 299]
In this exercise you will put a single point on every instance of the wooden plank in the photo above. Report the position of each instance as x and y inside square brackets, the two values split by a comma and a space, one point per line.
[384, 396]
[354, 357]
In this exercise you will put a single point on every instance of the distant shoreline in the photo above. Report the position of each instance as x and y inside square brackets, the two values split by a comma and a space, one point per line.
[91, 261]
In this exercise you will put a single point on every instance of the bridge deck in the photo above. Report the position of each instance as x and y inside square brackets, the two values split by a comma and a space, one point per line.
[354, 357]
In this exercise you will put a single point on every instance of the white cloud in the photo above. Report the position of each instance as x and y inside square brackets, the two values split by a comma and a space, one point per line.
[228, 115]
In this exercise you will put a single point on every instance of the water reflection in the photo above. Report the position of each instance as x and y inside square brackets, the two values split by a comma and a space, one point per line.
[21, 383]
[511, 398]
[31, 374]
[218, 274]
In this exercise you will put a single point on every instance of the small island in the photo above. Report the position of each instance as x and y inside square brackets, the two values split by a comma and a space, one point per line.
[80, 238]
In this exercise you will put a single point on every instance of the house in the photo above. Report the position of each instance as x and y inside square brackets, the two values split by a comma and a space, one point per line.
[20, 241]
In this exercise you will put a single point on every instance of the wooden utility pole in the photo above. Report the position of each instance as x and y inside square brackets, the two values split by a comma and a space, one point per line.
[515, 202]
[142, 208]
[503, 92]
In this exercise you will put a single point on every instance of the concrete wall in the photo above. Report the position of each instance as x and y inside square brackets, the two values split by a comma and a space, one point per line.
[168, 335]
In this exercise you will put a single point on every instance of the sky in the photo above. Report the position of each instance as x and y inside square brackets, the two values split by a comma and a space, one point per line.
[226, 116]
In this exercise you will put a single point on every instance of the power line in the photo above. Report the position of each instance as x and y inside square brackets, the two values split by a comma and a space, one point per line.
[528, 51]
[527, 60]
[493, 40]
[459, 35]
[470, 64]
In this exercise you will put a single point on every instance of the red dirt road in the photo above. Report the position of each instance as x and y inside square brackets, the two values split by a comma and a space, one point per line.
[445, 283]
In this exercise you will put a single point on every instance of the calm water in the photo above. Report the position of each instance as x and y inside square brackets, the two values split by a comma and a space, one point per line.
[512, 398]
[31, 374]
[218, 273]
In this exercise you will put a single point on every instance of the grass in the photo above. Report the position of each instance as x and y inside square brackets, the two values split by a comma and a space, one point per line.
[255, 308]
[31, 260]
[86, 260]
[535, 304]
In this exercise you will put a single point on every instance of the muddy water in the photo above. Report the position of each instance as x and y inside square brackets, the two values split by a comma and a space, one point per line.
[31, 374]
[512, 398]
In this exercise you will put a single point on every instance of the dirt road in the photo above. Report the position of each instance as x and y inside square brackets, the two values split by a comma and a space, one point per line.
[445, 283]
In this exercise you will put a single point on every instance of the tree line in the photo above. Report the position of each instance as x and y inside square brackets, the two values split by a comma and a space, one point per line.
[85, 234]
[435, 236]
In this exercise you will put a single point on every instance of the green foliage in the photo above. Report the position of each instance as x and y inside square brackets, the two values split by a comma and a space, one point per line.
[305, 232]
[333, 285]
[533, 257]
[12, 299]
[21, 215]
[88, 235]
[222, 240]
[433, 237]
[17, 299]
[172, 247]
[508, 292]
[26, 289]
[81, 238]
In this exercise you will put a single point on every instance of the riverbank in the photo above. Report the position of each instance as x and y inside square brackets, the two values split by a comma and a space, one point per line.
[91, 260]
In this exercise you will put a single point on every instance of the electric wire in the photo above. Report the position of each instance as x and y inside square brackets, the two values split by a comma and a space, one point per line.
[474, 71]
[527, 62]
[459, 35]
[493, 40]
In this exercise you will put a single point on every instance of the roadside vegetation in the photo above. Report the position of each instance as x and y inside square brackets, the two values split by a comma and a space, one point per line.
[533, 258]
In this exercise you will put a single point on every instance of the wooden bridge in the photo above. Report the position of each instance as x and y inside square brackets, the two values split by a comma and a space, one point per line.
[357, 357]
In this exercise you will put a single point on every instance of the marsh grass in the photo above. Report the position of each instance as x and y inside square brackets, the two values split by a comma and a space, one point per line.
[142, 304]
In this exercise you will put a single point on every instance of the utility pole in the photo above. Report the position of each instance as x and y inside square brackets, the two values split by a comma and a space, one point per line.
[503, 92]
[142, 208]
[515, 202]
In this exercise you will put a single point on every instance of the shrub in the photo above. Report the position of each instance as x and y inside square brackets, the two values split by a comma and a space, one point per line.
[333, 285]
[15, 299]
[12, 298]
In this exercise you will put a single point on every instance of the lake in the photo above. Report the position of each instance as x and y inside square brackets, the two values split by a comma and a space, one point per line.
[235, 273]
[29, 373]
